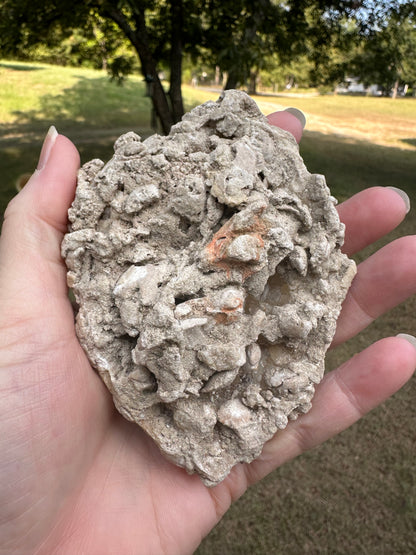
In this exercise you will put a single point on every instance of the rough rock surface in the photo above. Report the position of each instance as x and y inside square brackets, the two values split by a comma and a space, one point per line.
[209, 277]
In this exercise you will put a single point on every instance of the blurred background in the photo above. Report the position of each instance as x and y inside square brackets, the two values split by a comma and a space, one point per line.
[96, 71]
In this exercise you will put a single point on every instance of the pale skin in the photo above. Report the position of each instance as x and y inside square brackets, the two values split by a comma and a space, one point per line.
[75, 477]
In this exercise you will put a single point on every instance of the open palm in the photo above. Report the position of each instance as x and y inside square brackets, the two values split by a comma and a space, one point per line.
[75, 477]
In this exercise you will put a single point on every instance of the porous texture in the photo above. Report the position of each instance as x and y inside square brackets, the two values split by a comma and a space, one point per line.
[209, 277]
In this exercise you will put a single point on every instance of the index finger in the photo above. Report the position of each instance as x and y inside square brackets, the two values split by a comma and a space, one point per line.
[369, 215]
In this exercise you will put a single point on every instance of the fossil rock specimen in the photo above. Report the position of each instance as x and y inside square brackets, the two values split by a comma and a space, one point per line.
[209, 277]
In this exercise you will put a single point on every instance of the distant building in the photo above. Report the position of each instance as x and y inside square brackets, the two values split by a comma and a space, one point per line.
[352, 85]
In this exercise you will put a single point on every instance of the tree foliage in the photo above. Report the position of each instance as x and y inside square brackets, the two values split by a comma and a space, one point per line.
[157, 31]
[387, 52]
[242, 37]
[239, 35]
[98, 45]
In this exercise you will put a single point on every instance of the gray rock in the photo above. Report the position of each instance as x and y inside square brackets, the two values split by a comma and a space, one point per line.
[209, 277]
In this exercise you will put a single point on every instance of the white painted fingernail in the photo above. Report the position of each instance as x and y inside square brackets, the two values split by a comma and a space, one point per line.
[403, 195]
[410, 338]
[47, 147]
[298, 114]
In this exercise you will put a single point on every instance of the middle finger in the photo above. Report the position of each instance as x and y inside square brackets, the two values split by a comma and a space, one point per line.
[384, 280]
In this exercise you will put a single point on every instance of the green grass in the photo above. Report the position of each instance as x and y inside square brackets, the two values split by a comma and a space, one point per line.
[34, 94]
[357, 493]
[382, 121]
[82, 104]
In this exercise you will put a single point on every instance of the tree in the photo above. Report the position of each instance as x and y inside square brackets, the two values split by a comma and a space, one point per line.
[99, 45]
[239, 36]
[387, 53]
[156, 30]
[245, 37]
[278, 75]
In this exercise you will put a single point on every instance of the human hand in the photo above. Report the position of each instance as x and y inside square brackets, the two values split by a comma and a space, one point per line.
[75, 476]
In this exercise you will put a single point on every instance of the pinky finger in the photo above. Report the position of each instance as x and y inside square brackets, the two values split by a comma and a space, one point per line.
[342, 398]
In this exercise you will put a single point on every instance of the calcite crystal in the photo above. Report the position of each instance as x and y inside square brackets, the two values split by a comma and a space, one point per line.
[209, 277]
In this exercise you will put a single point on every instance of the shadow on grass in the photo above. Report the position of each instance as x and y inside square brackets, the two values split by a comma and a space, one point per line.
[355, 494]
[21, 67]
[89, 103]
[94, 112]
[411, 142]
[351, 165]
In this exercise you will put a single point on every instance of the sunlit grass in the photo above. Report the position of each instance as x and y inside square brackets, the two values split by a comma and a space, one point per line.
[34, 94]
[340, 140]
[382, 121]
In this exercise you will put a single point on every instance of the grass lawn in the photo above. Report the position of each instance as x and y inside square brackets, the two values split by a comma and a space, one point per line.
[382, 121]
[357, 493]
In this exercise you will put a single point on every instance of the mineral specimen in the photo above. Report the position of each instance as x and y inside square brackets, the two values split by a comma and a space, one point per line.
[209, 277]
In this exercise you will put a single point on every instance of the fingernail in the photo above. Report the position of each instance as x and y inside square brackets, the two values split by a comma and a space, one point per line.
[298, 114]
[403, 195]
[410, 338]
[47, 147]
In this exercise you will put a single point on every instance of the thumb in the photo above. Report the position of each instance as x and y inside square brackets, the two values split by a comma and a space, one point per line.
[32, 272]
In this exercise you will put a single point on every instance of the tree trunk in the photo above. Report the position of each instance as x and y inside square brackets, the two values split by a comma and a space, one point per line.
[157, 93]
[140, 40]
[175, 91]
[217, 76]
[395, 89]
[232, 81]
[224, 79]
[252, 84]
[161, 106]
